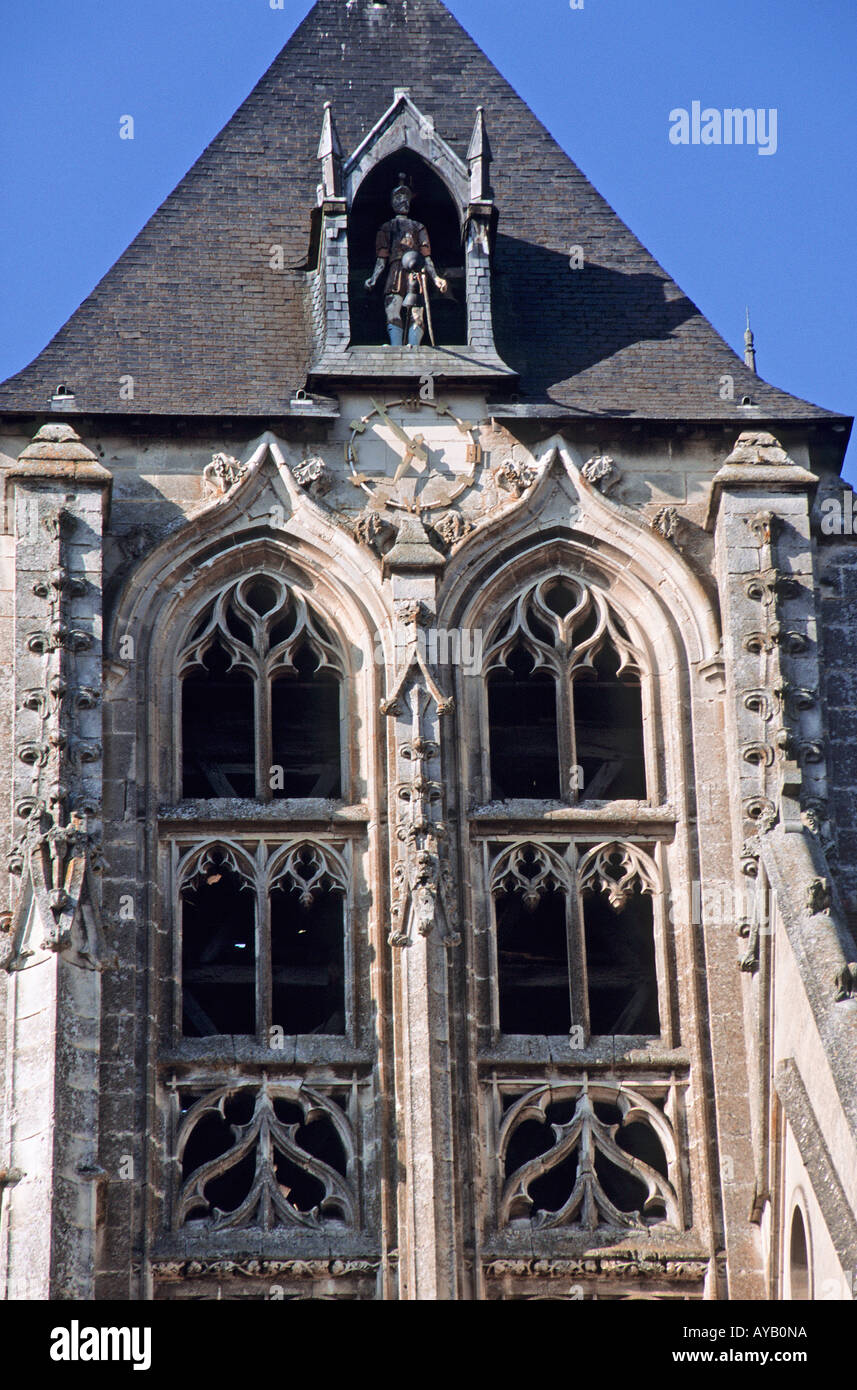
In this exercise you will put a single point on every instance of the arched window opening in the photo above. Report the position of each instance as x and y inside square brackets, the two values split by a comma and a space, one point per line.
[432, 206]
[218, 952]
[622, 980]
[261, 693]
[608, 732]
[218, 744]
[263, 940]
[522, 733]
[532, 945]
[620, 967]
[565, 711]
[305, 735]
[307, 948]
[799, 1272]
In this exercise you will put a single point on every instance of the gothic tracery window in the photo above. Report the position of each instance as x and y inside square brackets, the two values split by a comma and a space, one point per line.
[262, 940]
[579, 961]
[565, 715]
[265, 961]
[261, 705]
[575, 940]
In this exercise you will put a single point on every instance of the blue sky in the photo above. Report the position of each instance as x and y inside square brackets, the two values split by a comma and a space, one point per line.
[733, 227]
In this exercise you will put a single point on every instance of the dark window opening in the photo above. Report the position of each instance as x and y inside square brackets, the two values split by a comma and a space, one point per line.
[218, 955]
[637, 1139]
[218, 748]
[620, 967]
[551, 1190]
[239, 628]
[307, 962]
[211, 1138]
[625, 1191]
[532, 950]
[261, 596]
[799, 1259]
[305, 731]
[561, 597]
[319, 1139]
[608, 727]
[522, 721]
[433, 206]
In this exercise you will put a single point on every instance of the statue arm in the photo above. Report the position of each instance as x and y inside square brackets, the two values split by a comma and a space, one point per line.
[376, 273]
[438, 280]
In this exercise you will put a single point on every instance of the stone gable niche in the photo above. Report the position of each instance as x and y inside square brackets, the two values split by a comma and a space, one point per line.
[452, 198]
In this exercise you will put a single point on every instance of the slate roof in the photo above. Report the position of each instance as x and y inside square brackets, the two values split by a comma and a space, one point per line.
[194, 313]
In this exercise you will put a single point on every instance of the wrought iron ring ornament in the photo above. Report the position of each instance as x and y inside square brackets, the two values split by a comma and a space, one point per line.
[417, 485]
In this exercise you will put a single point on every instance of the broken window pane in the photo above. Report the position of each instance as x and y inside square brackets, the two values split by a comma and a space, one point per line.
[218, 953]
[523, 731]
[307, 961]
[608, 727]
[532, 951]
[218, 749]
[305, 730]
[620, 966]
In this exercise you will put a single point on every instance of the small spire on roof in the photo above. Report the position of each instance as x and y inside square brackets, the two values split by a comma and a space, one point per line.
[749, 345]
[330, 154]
[479, 158]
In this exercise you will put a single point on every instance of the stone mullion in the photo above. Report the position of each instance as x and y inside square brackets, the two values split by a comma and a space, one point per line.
[577, 964]
[567, 750]
[264, 961]
[264, 734]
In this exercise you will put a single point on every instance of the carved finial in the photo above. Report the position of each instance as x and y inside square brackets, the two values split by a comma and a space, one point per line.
[479, 158]
[330, 154]
[749, 346]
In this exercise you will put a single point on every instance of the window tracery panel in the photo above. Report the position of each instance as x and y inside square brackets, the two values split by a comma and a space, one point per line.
[279, 1154]
[263, 939]
[565, 712]
[610, 1158]
[261, 677]
[575, 939]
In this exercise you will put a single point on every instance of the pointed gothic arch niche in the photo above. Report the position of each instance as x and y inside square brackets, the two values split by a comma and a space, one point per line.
[435, 207]
[800, 1265]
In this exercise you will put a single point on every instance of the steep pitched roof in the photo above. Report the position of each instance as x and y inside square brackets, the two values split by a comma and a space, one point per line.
[194, 313]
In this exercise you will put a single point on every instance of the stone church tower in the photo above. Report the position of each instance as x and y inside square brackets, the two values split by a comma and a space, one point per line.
[428, 738]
